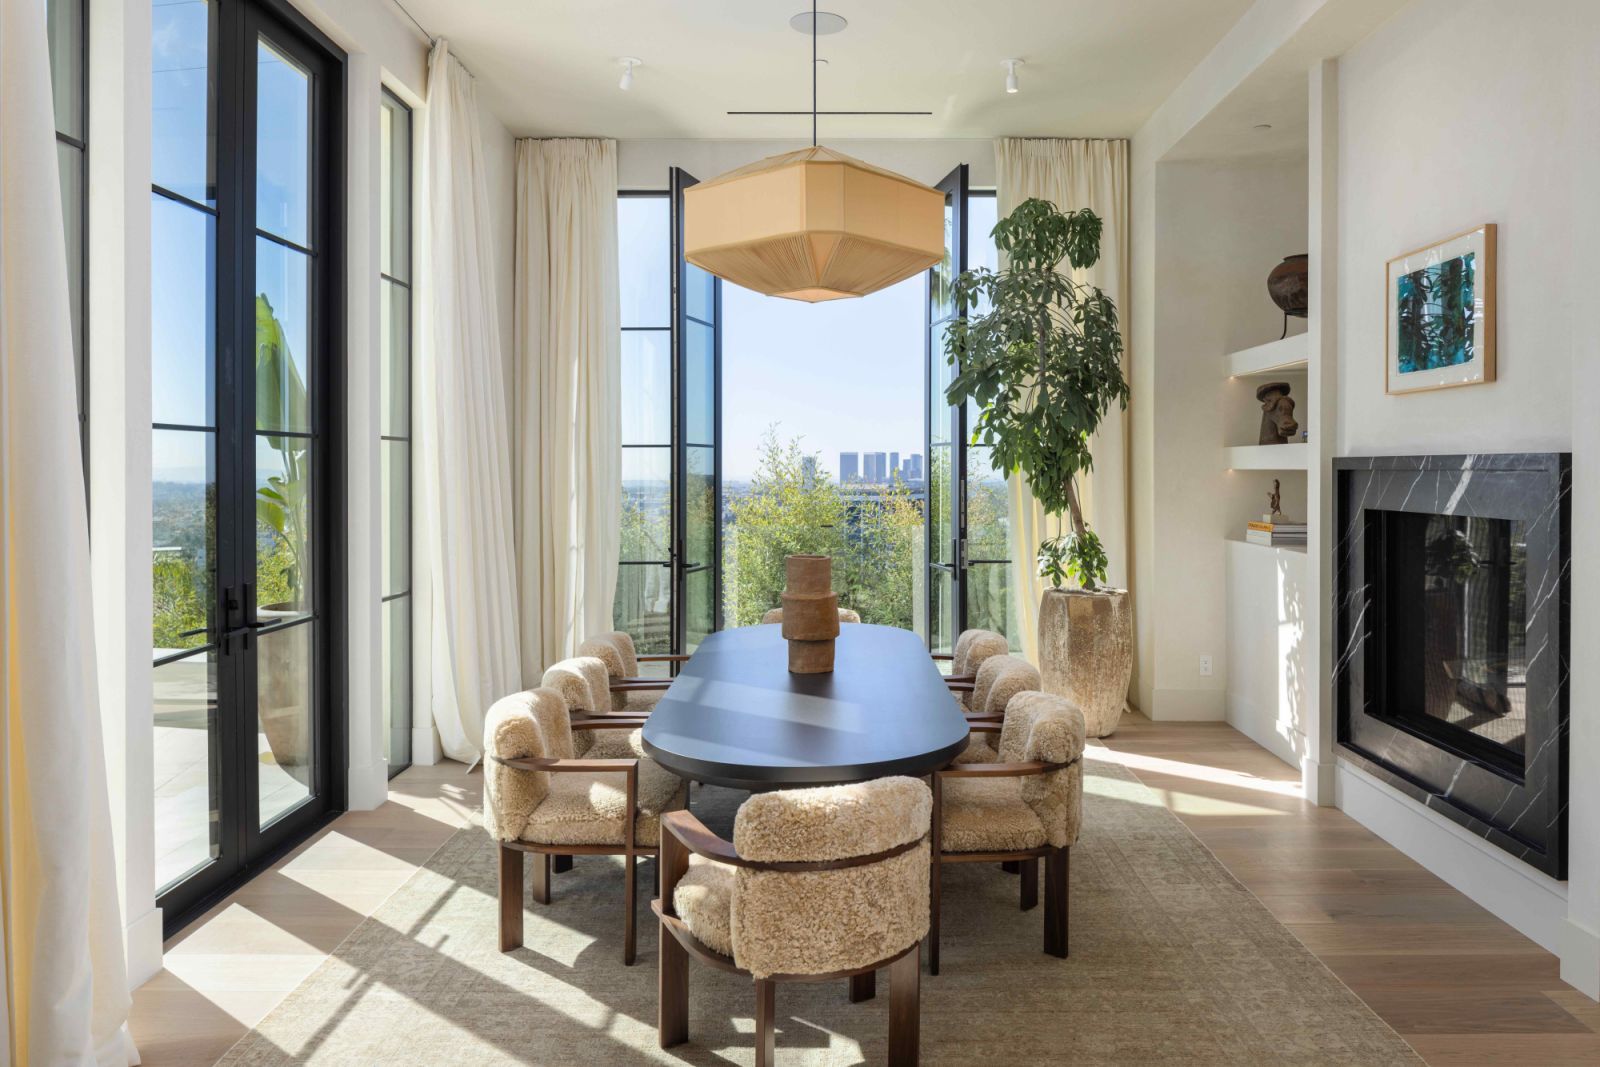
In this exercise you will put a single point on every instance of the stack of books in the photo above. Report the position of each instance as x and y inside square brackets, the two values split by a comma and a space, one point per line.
[1268, 532]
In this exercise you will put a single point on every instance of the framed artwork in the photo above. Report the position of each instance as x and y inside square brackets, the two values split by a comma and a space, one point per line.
[1439, 313]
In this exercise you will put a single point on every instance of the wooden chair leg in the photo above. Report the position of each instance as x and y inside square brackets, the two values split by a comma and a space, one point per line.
[541, 877]
[672, 993]
[766, 1022]
[1055, 903]
[1030, 884]
[630, 932]
[510, 899]
[561, 864]
[1011, 866]
[933, 916]
[863, 987]
[905, 1010]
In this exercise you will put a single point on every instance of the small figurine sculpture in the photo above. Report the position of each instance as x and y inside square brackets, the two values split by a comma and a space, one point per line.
[1277, 414]
[1274, 503]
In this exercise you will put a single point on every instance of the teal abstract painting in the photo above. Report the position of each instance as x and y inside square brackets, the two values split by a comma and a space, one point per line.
[1435, 308]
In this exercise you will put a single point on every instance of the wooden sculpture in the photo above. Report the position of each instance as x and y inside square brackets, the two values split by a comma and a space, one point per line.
[1277, 414]
[810, 613]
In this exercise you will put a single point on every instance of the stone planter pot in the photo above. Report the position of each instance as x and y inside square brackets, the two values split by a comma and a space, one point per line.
[1086, 652]
[281, 694]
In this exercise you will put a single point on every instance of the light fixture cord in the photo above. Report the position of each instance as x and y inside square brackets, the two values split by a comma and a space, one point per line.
[813, 73]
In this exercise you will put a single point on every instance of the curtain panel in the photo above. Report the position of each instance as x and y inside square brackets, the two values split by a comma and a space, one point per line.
[1074, 174]
[465, 444]
[568, 395]
[64, 990]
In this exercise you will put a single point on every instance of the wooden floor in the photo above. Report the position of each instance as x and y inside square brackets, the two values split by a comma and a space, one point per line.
[1460, 985]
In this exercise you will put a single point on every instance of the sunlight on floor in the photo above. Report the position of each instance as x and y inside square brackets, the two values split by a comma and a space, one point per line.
[1137, 762]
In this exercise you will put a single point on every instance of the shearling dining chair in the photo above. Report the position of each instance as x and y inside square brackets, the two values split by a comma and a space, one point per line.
[999, 678]
[629, 691]
[972, 648]
[542, 798]
[817, 884]
[1026, 806]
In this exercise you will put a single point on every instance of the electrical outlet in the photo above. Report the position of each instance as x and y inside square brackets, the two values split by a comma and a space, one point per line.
[1205, 666]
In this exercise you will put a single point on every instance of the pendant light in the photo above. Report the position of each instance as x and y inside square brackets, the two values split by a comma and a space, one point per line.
[814, 224]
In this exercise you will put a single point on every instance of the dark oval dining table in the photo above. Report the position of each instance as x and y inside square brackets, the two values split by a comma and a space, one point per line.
[735, 716]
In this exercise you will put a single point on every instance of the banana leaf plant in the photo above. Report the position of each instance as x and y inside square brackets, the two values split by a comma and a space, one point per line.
[1043, 364]
[282, 504]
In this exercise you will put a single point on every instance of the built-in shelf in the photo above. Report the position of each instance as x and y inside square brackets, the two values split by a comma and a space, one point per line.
[1271, 358]
[1301, 549]
[1290, 457]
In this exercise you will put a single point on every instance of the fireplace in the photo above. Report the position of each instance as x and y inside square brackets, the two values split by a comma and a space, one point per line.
[1451, 679]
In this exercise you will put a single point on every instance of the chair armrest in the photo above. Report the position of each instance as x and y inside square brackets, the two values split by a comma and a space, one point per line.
[960, 687]
[698, 838]
[999, 770]
[634, 685]
[662, 659]
[940, 655]
[610, 722]
[985, 719]
[960, 678]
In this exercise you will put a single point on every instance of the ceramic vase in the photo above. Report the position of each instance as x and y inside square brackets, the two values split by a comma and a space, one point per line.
[810, 613]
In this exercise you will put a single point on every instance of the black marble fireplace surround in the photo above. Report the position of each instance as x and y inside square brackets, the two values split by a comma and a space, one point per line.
[1451, 680]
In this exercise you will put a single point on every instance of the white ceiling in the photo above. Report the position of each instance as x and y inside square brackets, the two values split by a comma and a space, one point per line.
[1093, 68]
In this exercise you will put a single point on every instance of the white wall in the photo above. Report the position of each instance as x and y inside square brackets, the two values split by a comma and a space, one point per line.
[644, 164]
[1218, 229]
[1512, 139]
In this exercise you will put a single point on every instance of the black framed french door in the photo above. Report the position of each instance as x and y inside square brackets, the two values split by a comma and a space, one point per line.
[268, 335]
[946, 519]
[696, 551]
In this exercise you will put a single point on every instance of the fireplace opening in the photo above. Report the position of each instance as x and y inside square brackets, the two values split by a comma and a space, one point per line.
[1452, 662]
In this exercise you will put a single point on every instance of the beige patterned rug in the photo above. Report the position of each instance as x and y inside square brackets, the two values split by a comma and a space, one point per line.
[1172, 962]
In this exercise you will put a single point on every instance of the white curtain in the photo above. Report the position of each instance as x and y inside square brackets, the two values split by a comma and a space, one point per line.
[568, 395]
[466, 447]
[64, 990]
[1072, 175]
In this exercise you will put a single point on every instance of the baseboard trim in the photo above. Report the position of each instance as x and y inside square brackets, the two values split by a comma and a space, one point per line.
[142, 942]
[425, 748]
[1580, 962]
[1532, 903]
[1187, 705]
[1319, 781]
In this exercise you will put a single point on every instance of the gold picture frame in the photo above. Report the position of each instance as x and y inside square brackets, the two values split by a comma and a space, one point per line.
[1439, 314]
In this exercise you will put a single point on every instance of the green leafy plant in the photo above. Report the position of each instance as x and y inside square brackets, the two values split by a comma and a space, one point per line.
[282, 504]
[1043, 364]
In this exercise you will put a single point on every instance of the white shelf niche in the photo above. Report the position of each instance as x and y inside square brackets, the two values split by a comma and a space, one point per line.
[1294, 456]
[1289, 354]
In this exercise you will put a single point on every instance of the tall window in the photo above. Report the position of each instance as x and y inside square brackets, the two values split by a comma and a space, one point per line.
[990, 604]
[394, 119]
[69, 49]
[246, 161]
[643, 605]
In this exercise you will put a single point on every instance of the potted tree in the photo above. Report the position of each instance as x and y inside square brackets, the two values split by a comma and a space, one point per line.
[1043, 364]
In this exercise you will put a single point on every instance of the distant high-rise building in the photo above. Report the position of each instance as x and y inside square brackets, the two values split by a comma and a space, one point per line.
[912, 469]
[894, 467]
[874, 468]
[849, 467]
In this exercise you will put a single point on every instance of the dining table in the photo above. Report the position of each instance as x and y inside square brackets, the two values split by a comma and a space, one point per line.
[735, 716]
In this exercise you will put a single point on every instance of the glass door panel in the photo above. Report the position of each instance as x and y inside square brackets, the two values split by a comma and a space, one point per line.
[946, 532]
[242, 215]
[697, 441]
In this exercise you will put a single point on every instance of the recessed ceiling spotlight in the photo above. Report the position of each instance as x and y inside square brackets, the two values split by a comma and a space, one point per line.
[827, 22]
[1011, 66]
[628, 63]
[1262, 126]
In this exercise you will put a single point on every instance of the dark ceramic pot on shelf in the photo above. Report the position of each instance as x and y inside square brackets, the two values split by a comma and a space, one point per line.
[1289, 286]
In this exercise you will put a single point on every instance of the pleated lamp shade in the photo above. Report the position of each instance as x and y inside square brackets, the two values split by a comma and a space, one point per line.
[813, 225]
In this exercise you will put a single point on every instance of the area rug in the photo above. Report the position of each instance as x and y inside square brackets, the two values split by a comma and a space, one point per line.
[1172, 961]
